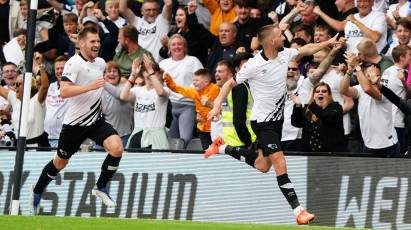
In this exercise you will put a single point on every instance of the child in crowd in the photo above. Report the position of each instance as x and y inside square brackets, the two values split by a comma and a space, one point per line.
[203, 94]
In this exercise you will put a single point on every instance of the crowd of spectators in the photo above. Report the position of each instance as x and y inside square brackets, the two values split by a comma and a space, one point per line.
[333, 104]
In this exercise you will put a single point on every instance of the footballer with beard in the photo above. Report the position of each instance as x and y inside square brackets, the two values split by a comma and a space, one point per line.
[266, 74]
[82, 84]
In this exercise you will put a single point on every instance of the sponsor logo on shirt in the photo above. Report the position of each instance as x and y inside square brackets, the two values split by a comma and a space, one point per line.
[145, 31]
[355, 34]
[141, 108]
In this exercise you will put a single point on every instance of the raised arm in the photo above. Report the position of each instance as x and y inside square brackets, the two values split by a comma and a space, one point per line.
[396, 100]
[125, 94]
[126, 12]
[369, 33]
[211, 5]
[287, 19]
[298, 116]
[44, 85]
[335, 24]
[348, 104]
[185, 91]
[366, 83]
[313, 48]
[167, 10]
[326, 63]
[153, 75]
[345, 88]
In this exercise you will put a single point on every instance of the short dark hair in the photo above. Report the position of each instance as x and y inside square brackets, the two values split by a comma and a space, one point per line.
[239, 57]
[399, 51]
[404, 23]
[70, 17]
[205, 73]
[85, 31]
[325, 27]
[18, 32]
[130, 32]
[8, 63]
[308, 30]
[228, 64]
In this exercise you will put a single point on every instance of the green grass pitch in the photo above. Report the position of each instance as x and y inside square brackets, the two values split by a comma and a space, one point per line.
[61, 223]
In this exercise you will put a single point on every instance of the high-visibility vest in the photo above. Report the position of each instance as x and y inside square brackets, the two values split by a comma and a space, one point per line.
[229, 134]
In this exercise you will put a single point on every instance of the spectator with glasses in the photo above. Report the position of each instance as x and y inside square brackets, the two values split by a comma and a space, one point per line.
[38, 94]
[321, 121]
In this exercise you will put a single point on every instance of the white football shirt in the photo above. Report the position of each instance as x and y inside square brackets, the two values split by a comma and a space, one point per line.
[83, 109]
[267, 79]
[390, 80]
[375, 21]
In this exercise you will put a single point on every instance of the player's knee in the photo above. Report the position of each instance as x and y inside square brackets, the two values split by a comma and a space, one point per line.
[116, 150]
[264, 169]
[60, 163]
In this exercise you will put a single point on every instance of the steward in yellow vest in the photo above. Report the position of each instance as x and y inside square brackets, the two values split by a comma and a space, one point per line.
[236, 112]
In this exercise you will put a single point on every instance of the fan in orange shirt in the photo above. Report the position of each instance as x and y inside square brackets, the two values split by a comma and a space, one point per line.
[203, 94]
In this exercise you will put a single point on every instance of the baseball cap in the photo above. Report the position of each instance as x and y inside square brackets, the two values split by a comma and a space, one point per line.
[92, 19]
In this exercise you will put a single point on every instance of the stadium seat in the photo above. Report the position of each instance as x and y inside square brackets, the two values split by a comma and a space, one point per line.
[176, 143]
[194, 144]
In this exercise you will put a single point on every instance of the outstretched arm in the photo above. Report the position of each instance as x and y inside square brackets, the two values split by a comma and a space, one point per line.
[126, 12]
[185, 91]
[335, 24]
[396, 100]
[225, 90]
[167, 10]
[313, 48]
[326, 63]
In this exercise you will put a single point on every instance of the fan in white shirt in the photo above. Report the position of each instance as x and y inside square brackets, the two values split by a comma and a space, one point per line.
[378, 133]
[152, 26]
[150, 106]
[394, 79]
[366, 23]
[56, 106]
